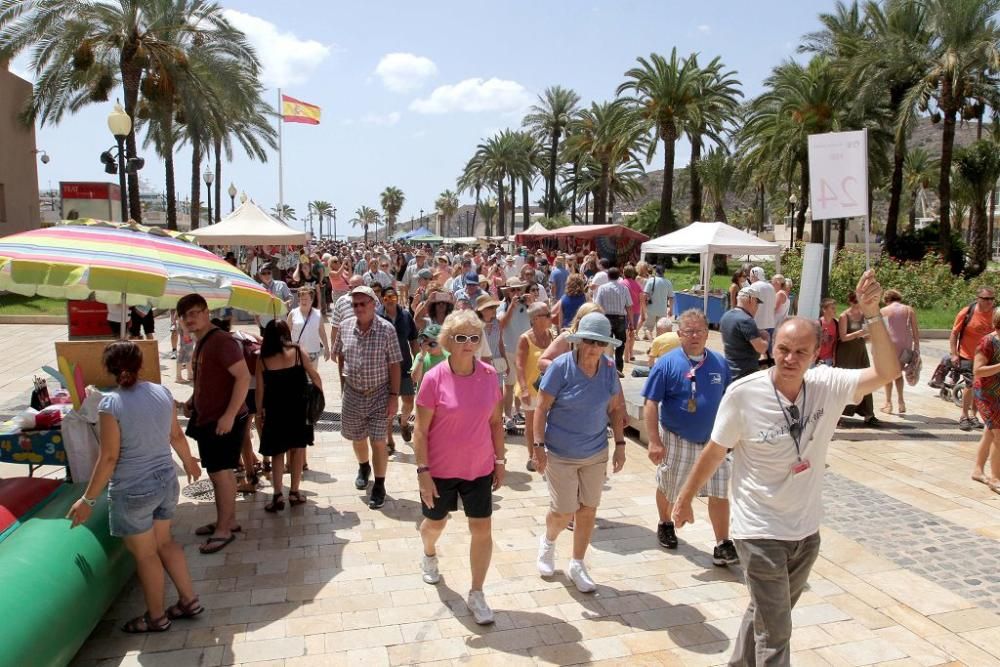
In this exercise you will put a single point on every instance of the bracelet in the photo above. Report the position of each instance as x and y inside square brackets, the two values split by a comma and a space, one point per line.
[539, 444]
[875, 318]
[393, 393]
[500, 462]
[88, 502]
[423, 469]
[619, 443]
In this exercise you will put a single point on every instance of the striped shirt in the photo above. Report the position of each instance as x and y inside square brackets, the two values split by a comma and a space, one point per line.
[367, 354]
[342, 309]
[613, 298]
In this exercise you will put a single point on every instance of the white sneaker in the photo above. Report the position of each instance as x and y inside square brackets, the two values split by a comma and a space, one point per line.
[476, 602]
[429, 567]
[509, 424]
[578, 574]
[546, 557]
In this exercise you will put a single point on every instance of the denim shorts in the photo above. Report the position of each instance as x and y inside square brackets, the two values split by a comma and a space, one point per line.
[154, 498]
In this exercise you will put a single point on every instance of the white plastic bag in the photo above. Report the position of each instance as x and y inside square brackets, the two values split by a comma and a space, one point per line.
[82, 444]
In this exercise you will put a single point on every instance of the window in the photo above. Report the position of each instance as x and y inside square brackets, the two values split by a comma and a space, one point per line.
[3, 204]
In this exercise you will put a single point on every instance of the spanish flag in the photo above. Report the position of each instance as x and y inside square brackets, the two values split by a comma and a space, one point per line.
[297, 111]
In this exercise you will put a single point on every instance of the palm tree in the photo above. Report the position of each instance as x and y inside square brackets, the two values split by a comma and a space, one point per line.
[665, 97]
[283, 212]
[83, 50]
[447, 204]
[497, 159]
[365, 217]
[714, 106]
[528, 164]
[548, 121]
[962, 64]
[488, 209]
[718, 173]
[322, 209]
[918, 173]
[391, 199]
[472, 179]
[979, 165]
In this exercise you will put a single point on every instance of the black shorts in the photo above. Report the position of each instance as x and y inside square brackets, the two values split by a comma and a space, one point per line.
[116, 328]
[476, 494]
[252, 401]
[146, 323]
[221, 452]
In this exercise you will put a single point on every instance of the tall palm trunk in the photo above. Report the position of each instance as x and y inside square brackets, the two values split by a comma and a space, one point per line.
[841, 233]
[475, 210]
[763, 209]
[816, 229]
[550, 194]
[513, 202]
[195, 181]
[696, 189]
[979, 230]
[525, 209]
[131, 76]
[502, 203]
[993, 211]
[586, 208]
[895, 192]
[576, 169]
[168, 166]
[601, 196]
[218, 181]
[949, 108]
[667, 222]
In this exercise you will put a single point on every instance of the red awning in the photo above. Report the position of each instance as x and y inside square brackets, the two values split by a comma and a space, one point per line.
[585, 232]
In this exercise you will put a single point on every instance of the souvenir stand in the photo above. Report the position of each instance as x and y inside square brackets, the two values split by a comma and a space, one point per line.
[617, 243]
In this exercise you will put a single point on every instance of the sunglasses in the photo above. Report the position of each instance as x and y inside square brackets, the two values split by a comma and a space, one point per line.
[462, 338]
[359, 304]
[796, 427]
[595, 343]
[431, 343]
[985, 298]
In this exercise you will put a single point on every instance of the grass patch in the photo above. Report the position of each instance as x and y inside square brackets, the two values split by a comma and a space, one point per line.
[16, 304]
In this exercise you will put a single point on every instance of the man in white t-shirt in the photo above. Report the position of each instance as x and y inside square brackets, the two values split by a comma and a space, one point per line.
[778, 423]
[765, 314]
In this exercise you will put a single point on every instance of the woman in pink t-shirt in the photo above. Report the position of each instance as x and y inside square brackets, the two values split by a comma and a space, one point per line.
[458, 444]
[638, 307]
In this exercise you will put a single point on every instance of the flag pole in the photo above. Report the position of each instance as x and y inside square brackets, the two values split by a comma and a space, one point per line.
[281, 174]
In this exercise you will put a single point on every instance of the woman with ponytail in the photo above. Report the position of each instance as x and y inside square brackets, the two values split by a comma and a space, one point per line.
[138, 427]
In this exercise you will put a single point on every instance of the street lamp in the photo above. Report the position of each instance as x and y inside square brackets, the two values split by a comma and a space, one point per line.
[243, 198]
[120, 125]
[334, 224]
[209, 179]
[232, 197]
[792, 200]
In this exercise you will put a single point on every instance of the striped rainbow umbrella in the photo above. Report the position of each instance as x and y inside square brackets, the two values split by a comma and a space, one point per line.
[145, 266]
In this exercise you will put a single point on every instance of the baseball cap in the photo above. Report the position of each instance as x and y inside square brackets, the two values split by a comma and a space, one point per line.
[471, 278]
[750, 291]
[425, 274]
[367, 291]
[431, 331]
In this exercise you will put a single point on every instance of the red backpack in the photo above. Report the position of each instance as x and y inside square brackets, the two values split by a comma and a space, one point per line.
[251, 352]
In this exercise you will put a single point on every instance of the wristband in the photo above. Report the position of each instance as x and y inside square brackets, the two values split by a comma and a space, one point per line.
[500, 462]
[392, 393]
[88, 502]
[423, 469]
[539, 444]
[619, 443]
[875, 318]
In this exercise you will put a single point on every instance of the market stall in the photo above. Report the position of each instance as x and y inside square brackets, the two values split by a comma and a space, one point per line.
[617, 243]
[707, 239]
[248, 225]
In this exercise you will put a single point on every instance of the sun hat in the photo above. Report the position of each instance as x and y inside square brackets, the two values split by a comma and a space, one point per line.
[515, 283]
[431, 331]
[367, 291]
[425, 274]
[485, 301]
[441, 296]
[594, 326]
[758, 273]
[471, 278]
[750, 291]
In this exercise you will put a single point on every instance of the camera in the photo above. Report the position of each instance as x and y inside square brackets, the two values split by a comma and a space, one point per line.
[520, 299]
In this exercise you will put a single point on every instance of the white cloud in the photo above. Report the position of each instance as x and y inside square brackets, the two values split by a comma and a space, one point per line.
[384, 120]
[405, 72]
[473, 95]
[705, 28]
[286, 60]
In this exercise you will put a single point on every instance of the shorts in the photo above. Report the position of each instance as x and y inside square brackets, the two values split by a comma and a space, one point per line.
[531, 404]
[575, 483]
[252, 401]
[184, 353]
[314, 357]
[133, 510]
[363, 417]
[635, 320]
[476, 495]
[678, 462]
[649, 324]
[510, 379]
[221, 452]
[406, 386]
[116, 328]
[146, 323]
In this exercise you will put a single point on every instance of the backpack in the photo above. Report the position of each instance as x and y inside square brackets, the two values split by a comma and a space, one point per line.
[251, 352]
[965, 322]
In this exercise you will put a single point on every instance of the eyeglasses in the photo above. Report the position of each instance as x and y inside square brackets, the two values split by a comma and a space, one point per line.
[986, 298]
[192, 312]
[360, 304]
[595, 343]
[795, 429]
[543, 315]
[462, 338]
[694, 332]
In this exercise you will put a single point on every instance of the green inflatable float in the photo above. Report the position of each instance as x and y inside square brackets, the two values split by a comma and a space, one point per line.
[56, 582]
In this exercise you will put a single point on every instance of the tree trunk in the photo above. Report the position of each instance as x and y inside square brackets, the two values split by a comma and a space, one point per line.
[763, 208]
[586, 208]
[948, 110]
[513, 203]
[720, 212]
[601, 198]
[576, 168]
[841, 233]
[195, 212]
[993, 210]
[474, 212]
[218, 181]
[980, 245]
[131, 76]
[525, 208]
[815, 230]
[502, 203]
[168, 166]
[696, 189]
[895, 192]
[666, 222]
[550, 195]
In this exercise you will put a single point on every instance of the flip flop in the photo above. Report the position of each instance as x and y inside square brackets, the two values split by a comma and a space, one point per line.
[215, 544]
[981, 478]
[209, 529]
[994, 486]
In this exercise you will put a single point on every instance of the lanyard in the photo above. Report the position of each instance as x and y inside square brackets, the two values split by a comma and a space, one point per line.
[795, 433]
[691, 374]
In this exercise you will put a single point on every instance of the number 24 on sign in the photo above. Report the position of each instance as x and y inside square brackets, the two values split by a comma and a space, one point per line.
[842, 194]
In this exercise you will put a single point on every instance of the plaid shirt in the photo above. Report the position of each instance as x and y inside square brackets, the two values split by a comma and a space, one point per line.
[367, 355]
[613, 297]
[342, 309]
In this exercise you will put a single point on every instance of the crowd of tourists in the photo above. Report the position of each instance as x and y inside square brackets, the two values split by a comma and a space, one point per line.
[456, 349]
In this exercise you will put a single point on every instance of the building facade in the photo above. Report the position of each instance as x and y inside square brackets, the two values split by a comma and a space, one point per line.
[18, 162]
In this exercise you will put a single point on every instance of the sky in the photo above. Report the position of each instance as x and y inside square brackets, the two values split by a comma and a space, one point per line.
[408, 89]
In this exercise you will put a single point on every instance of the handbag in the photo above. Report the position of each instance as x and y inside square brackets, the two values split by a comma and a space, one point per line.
[315, 403]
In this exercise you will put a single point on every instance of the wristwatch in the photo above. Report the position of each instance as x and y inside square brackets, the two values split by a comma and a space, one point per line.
[423, 469]
[874, 318]
[88, 502]
[500, 462]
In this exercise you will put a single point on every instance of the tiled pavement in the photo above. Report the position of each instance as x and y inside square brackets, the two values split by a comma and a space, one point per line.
[334, 583]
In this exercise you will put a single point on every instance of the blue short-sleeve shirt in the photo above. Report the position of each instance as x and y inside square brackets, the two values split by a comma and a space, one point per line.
[669, 384]
[577, 423]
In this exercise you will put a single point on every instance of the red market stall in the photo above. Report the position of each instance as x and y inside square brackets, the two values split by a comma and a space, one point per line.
[617, 243]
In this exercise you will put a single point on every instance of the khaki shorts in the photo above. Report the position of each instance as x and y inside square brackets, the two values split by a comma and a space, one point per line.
[510, 377]
[575, 482]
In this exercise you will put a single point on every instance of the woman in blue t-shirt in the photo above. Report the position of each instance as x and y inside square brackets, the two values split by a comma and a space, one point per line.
[138, 428]
[578, 393]
[566, 307]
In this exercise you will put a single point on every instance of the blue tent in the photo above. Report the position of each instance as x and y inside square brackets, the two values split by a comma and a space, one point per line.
[417, 233]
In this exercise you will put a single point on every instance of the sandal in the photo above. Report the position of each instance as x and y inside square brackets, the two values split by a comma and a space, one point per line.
[276, 505]
[249, 486]
[267, 467]
[994, 486]
[215, 544]
[209, 529]
[295, 498]
[181, 610]
[902, 408]
[887, 408]
[143, 624]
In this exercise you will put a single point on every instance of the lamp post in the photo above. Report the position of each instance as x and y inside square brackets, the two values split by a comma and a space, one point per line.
[792, 200]
[243, 198]
[120, 125]
[334, 224]
[232, 197]
[209, 179]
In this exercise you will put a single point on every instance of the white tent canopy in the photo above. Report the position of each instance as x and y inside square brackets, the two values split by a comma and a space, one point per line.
[708, 239]
[249, 225]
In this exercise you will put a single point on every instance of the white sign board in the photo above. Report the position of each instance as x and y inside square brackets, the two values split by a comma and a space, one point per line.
[810, 284]
[838, 175]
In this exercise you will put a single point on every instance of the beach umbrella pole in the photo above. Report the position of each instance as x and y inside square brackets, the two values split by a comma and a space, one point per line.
[123, 332]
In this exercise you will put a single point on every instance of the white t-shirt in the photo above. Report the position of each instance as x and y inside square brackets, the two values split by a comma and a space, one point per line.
[307, 334]
[599, 279]
[765, 312]
[768, 500]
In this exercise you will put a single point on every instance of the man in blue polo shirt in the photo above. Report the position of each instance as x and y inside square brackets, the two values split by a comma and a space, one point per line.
[682, 395]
